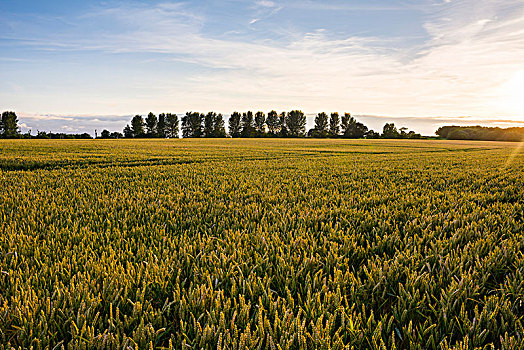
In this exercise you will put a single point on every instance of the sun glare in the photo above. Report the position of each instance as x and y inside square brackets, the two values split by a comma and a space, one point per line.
[513, 95]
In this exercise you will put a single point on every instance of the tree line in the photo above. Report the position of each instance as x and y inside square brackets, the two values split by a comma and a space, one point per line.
[481, 133]
[249, 124]
[9, 129]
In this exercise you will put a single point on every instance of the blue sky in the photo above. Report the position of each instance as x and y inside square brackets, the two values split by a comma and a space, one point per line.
[81, 65]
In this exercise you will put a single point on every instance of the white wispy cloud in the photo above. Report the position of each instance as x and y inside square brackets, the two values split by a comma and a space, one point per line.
[345, 6]
[265, 3]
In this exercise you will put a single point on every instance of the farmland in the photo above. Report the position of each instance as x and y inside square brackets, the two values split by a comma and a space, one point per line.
[261, 243]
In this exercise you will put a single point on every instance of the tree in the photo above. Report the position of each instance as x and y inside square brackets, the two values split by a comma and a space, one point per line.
[413, 135]
[209, 123]
[116, 135]
[137, 126]
[272, 122]
[334, 121]
[296, 123]
[390, 131]
[105, 134]
[234, 124]
[352, 129]
[128, 132]
[260, 121]
[346, 120]
[357, 131]
[321, 124]
[247, 124]
[151, 124]
[41, 134]
[371, 134]
[219, 127]
[284, 132]
[9, 125]
[192, 124]
[161, 126]
[171, 129]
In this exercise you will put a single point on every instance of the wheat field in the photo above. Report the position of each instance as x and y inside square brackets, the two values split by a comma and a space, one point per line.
[261, 244]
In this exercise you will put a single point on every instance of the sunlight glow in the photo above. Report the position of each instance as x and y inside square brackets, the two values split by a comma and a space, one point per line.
[513, 95]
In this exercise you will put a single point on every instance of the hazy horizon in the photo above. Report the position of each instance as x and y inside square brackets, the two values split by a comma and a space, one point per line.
[80, 124]
[76, 66]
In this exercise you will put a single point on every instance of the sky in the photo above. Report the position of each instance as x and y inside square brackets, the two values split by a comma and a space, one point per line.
[76, 66]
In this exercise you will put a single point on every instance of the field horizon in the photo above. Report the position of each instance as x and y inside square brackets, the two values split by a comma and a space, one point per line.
[261, 243]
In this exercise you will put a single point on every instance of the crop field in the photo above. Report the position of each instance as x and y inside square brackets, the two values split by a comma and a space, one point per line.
[261, 244]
